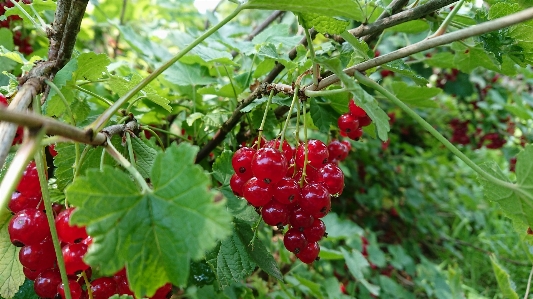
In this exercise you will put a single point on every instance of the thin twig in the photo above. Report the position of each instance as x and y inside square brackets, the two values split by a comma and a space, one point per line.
[528, 284]
[392, 9]
[121, 22]
[72, 28]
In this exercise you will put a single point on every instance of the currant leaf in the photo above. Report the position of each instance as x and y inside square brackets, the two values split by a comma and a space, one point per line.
[323, 115]
[122, 85]
[504, 280]
[155, 234]
[356, 262]
[418, 96]
[339, 8]
[222, 169]
[233, 262]
[144, 156]
[11, 275]
[323, 24]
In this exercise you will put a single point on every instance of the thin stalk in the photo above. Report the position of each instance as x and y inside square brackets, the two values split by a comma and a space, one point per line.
[80, 162]
[306, 150]
[370, 83]
[264, 119]
[87, 283]
[316, 72]
[100, 123]
[101, 98]
[297, 132]
[102, 161]
[28, 16]
[324, 93]
[446, 23]
[130, 149]
[294, 99]
[255, 230]
[128, 166]
[155, 135]
[528, 284]
[132, 103]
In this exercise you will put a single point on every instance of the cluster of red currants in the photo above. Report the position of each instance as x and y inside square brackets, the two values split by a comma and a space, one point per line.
[29, 229]
[285, 191]
[23, 44]
[351, 124]
[20, 131]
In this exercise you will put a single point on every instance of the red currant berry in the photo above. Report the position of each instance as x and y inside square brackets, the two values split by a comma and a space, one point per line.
[87, 241]
[31, 274]
[52, 150]
[309, 253]
[163, 292]
[355, 110]
[236, 183]
[38, 257]
[3, 99]
[256, 193]
[300, 219]
[69, 233]
[241, 162]
[45, 285]
[317, 156]
[286, 191]
[294, 240]
[20, 202]
[73, 256]
[269, 165]
[365, 121]
[315, 200]
[338, 151]
[103, 288]
[312, 175]
[275, 213]
[28, 227]
[347, 123]
[316, 231]
[355, 135]
[123, 286]
[57, 208]
[348, 144]
[29, 183]
[75, 289]
[332, 179]
[287, 149]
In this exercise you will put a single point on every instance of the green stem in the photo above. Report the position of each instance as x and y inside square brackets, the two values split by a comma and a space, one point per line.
[255, 230]
[325, 93]
[111, 150]
[316, 72]
[87, 283]
[132, 103]
[101, 98]
[102, 161]
[130, 149]
[370, 83]
[297, 132]
[28, 16]
[306, 150]
[103, 118]
[264, 119]
[444, 25]
[528, 284]
[77, 167]
[294, 99]
[147, 128]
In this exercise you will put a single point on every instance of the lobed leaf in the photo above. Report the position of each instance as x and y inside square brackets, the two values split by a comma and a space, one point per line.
[356, 262]
[337, 8]
[323, 24]
[323, 115]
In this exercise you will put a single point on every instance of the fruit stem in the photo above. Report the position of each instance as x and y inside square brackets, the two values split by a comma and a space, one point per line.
[371, 83]
[294, 99]
[111, 150]
[87, 284]
[149, 129]
[444, 25]
[264, 119]
[316, 70]
[77, 166]
[130, 148]
[101, 121]
[306, 150]
[97, 96]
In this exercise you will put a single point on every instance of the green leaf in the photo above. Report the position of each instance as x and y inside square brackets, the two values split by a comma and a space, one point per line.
[314, 288]
[341, 228]
[415, 26]
[356, 262]
[6, 39]
[468, 59]
[222, 167]
[270, 122]
[442, 60]
[185, 74]
[11, 275]
[418, 96]
[504, 280]
[121, 86]
[323, 115]
[338, 8]
[91, 66]
[399, 67]
[155, 234]
[322, 23]
[54, 105]
[233, 262]
[144, 156]
[330, 254]
[25, 291]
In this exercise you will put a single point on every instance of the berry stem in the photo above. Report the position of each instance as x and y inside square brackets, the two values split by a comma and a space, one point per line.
[95, 95]
[294, 99]
[316, 70]
[87, 284]
[444, 25]
[130, 148]
[264, 119]
[306, 151]
[371, 83]
[111, 150]
[77, 167]
[149, 129]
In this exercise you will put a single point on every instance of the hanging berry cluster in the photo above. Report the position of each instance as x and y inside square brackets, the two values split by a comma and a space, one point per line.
[285, 191]
[29, 229]
[351, 124]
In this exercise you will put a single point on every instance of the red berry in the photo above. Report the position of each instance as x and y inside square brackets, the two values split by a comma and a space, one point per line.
[294, 240]
[241, 162]
[69, 233]
[28, 227]
[45, 285]
[332, 179]
[123, 286]
[347, 123]
[20, 202]
[269, 165]
[73, 256]
[286, 191]
[365, 121]
[52, 150]
[103, 288]
[355, 110]
[287, 149]
[256, 193]
[163, 292]
[309, 253]
[316, 231]
[355, 135]
[275, 213]
[317, 156]
[31, 274]
[312, 175]
[338, 151]
[300, 219]
[315, 200]
[236, 183]
[75, 289]
[29, 183]
[3, 99]
[38, 257]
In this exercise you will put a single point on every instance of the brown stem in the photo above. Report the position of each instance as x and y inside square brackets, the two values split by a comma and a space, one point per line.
[55, 34]
[72, 28]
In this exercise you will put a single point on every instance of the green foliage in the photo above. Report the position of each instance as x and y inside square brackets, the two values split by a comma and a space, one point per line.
[504, 281]
[341, 8]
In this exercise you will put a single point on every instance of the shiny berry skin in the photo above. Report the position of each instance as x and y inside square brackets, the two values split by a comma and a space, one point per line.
[287, 149]
[257, 193]
[30, 274]
[317, 156]
[355, 135]
[38, 257]
[29, 183]
[73, 256]
[312, 175]
[52, 150]
[69, 233]
[103, 288]
[355, 110]
[269, 165]
[332, 179]
[45, 285]
[316, 231]
[347, 123]
[163, 292]
[315, 200]
[300, 219]
[20, 201]
[286, 191]
[75, 289]
[275, 213]
[294, 240]
[309, 253]
[338, 151]
[236, 183]
[28, 227]
[241, 162]
[123, 287]
[365, 121]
